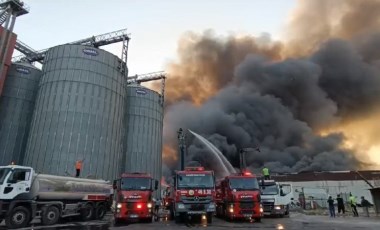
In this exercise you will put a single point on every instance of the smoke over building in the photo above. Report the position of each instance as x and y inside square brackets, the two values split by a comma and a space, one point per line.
[301, 100]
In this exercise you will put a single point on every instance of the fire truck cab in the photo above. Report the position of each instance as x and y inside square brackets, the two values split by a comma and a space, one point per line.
[238, 197]
[193, 194]
[133, 197]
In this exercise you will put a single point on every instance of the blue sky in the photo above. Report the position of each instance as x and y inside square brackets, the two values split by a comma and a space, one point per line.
[155, 25]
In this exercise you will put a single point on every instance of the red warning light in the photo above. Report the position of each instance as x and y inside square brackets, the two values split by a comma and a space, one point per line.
[139, 206]
[247, 173]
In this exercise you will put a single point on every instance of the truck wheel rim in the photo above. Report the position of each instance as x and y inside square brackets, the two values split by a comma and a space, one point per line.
[51, 215]
[19, 217]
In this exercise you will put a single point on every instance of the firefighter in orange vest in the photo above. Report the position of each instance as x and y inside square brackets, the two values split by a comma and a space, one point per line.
[78, 167]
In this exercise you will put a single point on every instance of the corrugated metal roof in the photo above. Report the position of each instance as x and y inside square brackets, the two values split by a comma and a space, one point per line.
[331, 176]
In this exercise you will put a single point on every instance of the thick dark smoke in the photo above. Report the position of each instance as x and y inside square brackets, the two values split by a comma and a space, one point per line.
[252, 92]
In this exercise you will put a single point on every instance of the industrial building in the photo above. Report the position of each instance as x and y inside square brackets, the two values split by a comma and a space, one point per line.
[317, 186]
[81, 105]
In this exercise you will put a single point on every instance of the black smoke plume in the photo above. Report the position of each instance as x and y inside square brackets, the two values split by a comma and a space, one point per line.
[247, 92]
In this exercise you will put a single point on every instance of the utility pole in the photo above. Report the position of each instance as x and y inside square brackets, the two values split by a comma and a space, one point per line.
[182, 147]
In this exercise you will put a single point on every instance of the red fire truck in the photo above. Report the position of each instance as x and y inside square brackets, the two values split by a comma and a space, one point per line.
[133, 197]
[238, 197]
[193, 194]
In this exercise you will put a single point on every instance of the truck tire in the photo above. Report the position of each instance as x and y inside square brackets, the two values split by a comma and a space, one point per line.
[172, 213]
[100, 212]
[18, 218]
[50, 215]
[87, 212]
[209, 217]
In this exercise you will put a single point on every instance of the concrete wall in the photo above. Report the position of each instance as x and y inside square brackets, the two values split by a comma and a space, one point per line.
[332, 188]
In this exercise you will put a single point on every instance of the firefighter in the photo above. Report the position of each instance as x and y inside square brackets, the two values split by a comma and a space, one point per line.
[78, 167]
[340, 204]
[365, 204]
[352, 200]
[266, 173]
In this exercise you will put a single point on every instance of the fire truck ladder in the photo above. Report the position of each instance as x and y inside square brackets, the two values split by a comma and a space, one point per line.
[138, 79]
[95, 41]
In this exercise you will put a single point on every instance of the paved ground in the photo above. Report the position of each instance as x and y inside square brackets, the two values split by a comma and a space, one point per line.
[295, 221]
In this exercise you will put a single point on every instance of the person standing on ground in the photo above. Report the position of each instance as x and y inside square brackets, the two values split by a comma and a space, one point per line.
[157, 205]
[352, 201]
[330, 201]
[266, 173]
[365, 204]
[78, 167]
[340, 205]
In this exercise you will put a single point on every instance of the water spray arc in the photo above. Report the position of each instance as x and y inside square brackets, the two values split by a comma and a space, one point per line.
[222, 160]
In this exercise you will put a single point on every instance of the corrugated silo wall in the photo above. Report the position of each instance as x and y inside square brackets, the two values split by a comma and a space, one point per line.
[79, 113]
[16, 109]
[144, 132]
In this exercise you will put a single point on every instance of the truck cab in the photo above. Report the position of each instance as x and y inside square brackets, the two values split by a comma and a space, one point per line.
[238, 197]
[15, 182]
[275, 197]
[134, 197]
[193, 194]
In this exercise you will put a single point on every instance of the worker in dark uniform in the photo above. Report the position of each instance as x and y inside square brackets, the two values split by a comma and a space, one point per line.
[330, 201]
[266, 173]
[365, 204]
[78, 167]
[340, 204]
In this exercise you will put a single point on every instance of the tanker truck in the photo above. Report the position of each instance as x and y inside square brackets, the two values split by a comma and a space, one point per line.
[26, 194]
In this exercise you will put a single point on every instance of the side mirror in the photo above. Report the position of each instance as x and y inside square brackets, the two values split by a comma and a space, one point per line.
[155, 184]
[114, 184]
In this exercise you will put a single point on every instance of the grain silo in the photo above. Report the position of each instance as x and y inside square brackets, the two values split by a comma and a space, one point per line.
[79, 113]
[16, 109]
[144, 131]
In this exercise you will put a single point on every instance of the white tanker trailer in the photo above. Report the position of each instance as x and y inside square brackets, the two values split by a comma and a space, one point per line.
[25, 194]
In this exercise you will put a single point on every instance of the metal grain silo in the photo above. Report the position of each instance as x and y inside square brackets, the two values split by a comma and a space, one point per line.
[144, 131]
[16, 109]
[79, 113]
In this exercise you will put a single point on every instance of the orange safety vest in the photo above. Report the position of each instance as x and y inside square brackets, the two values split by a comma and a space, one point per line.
[78, 165]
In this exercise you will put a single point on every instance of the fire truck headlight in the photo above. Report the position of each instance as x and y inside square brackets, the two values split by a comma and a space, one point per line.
[181, 206]
[118, 206]
[166, 203]
[149, 205]
[231, 209]
[261, 210]
[277, 207]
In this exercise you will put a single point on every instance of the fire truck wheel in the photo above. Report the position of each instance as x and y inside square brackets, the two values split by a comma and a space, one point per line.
[171, 213]
[258, 220]
[87, 212]
[149, 220]
[100, 212]
[209, 217]
[178, 219]
[50, 215]
[18, 218]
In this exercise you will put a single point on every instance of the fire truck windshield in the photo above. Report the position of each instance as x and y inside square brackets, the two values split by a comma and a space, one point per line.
[135, 183]
[195, 181]
[3, 174]
[269, 189]
[243, 183]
